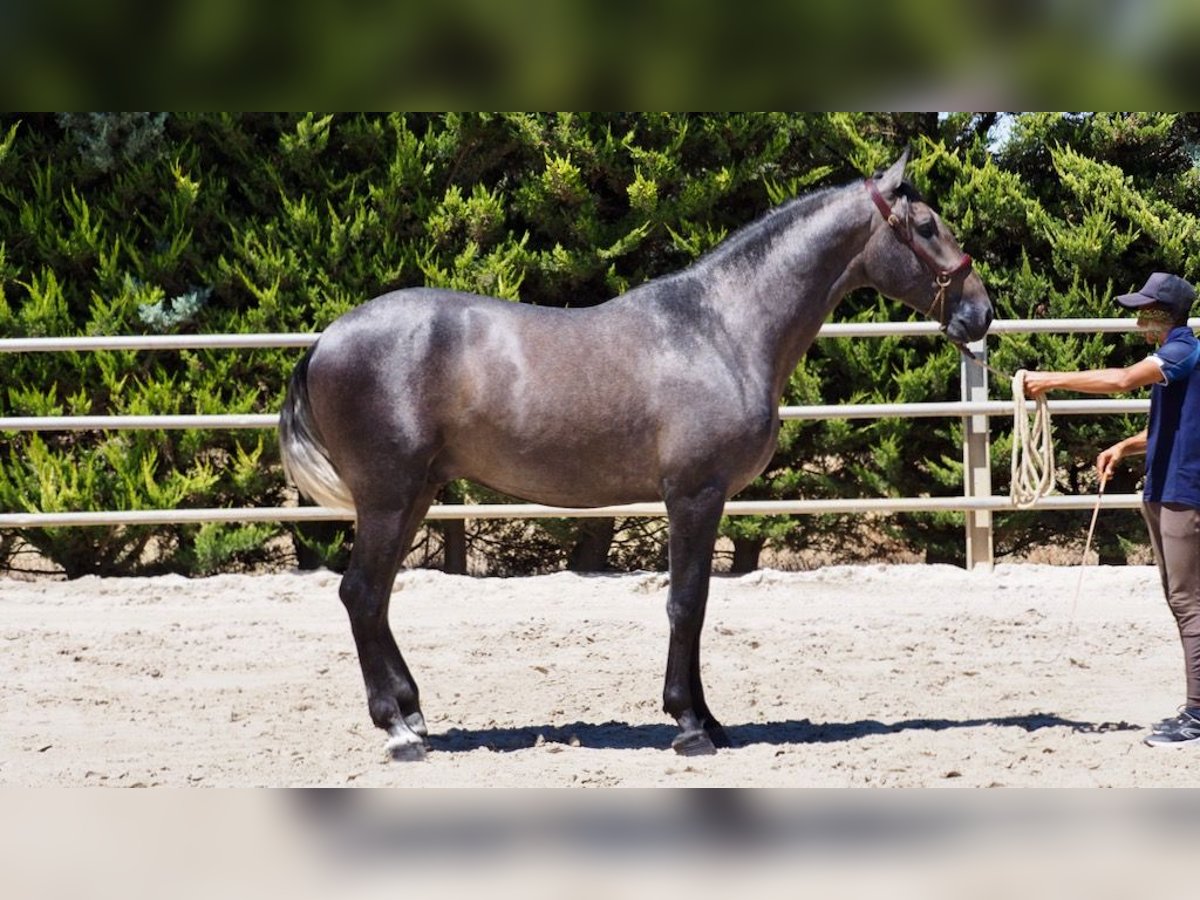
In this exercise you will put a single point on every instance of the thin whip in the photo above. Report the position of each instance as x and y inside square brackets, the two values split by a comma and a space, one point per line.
[1092, 528]
[1087, 546]
[1032, 450]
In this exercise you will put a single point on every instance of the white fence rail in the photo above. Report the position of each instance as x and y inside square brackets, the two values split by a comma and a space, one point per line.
[535, 511]
[837, 411]
[976, 501]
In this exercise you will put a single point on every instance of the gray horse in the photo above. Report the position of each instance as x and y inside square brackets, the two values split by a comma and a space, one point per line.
[668, 392]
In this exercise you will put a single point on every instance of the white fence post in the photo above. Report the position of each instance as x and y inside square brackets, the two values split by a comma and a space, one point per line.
[977, 457]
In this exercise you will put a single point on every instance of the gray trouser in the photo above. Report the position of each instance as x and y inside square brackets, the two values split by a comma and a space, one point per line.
[1175, 535]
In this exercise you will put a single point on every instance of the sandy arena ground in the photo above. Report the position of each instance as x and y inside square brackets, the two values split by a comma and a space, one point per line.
[914, 676]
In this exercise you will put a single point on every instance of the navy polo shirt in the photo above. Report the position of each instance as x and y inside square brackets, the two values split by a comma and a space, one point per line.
[1173, 445]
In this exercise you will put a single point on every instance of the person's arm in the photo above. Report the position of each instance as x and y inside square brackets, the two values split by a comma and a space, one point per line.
[1134, 445]
[1096, 381]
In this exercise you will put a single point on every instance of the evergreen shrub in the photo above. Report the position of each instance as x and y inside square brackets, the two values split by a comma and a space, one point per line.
[132, 223]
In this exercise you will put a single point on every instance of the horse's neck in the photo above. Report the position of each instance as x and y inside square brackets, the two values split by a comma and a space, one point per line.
[776, 294]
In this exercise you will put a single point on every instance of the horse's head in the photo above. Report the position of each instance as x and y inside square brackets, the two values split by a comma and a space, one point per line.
[911, 256]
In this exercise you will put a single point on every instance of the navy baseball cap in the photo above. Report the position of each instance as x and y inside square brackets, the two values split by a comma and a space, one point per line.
[1168, 291]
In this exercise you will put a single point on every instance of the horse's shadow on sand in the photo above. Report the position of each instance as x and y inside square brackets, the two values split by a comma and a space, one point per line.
[624, 736]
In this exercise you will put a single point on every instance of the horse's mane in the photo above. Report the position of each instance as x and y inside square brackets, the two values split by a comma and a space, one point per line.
[753, 239]
[910, 193]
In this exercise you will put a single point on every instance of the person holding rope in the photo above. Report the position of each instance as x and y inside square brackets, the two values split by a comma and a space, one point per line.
[1171, 445]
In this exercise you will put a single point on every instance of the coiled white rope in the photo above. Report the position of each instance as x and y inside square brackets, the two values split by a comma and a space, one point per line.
[1032, 450]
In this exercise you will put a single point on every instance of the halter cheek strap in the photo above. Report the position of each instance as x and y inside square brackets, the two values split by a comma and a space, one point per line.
[941, 277]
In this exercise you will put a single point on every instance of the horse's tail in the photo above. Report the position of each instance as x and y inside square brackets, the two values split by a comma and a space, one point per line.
[305, 459]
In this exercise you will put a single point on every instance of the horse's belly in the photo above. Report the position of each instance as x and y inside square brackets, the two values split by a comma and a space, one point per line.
[579, 495]
[556, 476]
[627, 456]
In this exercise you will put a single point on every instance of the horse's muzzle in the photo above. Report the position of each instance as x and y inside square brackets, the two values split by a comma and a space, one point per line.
[970, 322]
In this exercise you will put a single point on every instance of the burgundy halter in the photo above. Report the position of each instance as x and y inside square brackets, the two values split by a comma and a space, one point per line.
[941, 277]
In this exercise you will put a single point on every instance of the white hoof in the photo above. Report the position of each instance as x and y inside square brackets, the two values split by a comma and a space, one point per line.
[405, 745]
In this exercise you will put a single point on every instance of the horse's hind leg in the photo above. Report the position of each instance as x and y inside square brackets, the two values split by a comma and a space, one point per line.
[381, 539]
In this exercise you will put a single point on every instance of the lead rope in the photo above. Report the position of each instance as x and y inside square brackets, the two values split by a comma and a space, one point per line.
[1032, 449]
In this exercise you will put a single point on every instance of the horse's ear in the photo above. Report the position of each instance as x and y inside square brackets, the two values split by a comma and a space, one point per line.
[890, 180]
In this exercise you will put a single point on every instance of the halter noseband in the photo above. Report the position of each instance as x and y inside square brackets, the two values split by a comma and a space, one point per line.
[941, 277]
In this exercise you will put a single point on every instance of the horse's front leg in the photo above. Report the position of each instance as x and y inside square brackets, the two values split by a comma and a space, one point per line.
[381, 539]
[693, 531]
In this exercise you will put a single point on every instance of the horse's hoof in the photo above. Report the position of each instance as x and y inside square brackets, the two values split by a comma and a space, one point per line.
[718, 736]
[406, 747]
[693, 743]
[406, 751]
[416, 722]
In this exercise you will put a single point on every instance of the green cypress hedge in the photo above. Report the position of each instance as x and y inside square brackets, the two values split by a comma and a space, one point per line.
[194, 223]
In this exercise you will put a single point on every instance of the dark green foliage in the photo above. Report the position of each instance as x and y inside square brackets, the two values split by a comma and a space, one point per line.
[151, 223]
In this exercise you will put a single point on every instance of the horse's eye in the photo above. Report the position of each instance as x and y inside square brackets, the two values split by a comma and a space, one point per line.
[927, 229]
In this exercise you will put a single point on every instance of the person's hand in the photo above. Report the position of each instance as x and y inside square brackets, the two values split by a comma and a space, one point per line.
[1107, 461]
[1037, 383]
